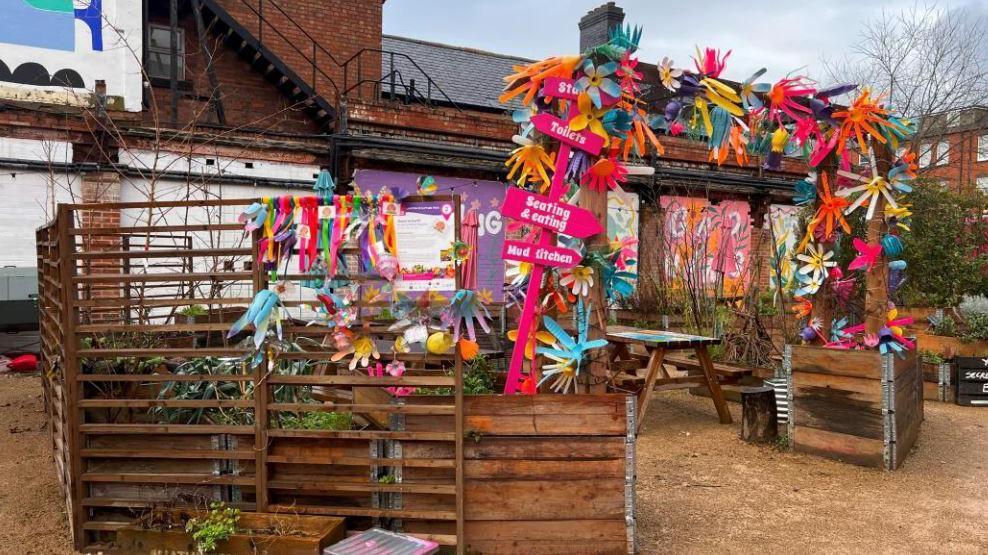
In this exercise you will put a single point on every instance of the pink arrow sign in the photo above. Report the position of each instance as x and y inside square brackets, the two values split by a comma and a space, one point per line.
[558, 216]
[557, 87]
[544, 255]
[558, 129]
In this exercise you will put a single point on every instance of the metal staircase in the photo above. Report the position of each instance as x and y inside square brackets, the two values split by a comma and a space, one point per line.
[312, 83]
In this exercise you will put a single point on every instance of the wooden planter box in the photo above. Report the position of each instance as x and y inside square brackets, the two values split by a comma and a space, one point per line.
[860, 407]
[951, 347]
[310, 535]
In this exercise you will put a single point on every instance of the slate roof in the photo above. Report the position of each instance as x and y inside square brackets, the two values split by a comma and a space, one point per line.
[472, 78]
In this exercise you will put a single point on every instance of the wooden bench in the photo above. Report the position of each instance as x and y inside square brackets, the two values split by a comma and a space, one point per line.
[726, 373]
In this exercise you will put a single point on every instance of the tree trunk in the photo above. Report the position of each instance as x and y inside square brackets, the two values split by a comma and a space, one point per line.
[758, 420]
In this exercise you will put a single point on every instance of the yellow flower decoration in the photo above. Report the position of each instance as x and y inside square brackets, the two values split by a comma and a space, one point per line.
[538, 336]
[533, 162]
[363, 348]
[589, 117]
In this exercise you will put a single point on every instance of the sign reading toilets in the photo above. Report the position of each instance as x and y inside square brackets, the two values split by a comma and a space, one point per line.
[54, 51]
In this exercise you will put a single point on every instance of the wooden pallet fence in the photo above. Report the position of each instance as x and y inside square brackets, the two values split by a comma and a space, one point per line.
[860, 407]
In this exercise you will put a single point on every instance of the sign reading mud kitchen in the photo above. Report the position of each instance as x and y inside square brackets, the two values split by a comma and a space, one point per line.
[972, 381]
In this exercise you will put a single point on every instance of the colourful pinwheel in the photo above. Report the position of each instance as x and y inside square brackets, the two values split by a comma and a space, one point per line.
[579, 279]
[668, 75]
[528, 79]
[872, 189]
[588, 117]
[867, 255]
[262, 310]
[710, 63]
[829, 214]
[597, 85]
[362, 348]
[569, 352]
[817, 263]
[605, 174]
[865, 116]
[750, 91]
[532, 160]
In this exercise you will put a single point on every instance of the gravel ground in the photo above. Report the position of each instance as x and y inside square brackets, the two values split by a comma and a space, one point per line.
[703, 490]
[700, 488]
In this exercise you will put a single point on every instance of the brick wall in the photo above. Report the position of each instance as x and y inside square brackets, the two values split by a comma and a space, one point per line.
[341, 27]
[962, 168]
[100, 187]
[249, 100]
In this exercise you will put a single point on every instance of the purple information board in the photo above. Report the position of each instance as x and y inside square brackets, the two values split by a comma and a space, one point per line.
[484, 196]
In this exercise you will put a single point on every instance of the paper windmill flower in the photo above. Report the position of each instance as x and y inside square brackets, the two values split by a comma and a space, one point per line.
[865, 116]
[891, 336]
[528, 79]
[830, 213]
[595, 83]
[668, 75]
[579, 163]
[625, 250]
[426, 185]
[517, 272]
[641, 130]
[812, 330]
[362, 348]
[579, 279]
[867, 255]
[570, 352]
[750, 91]
[840, 337]
[264, 306]
[803, 307]
[464, 308]
[896, 276]
[605, 174]
[588, 117]
[805, 190]
[841, 288]
[253, 216]
[628, 73]
[872, 189]
[784, 96]
[533, 162]
[710, 63]
[537, 336]
[818, 262]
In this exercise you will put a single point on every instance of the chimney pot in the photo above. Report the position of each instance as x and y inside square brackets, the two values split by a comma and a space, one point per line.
[596, 25]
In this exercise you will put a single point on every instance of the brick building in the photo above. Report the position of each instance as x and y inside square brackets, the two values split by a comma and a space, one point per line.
[244, 98]
[957, 151]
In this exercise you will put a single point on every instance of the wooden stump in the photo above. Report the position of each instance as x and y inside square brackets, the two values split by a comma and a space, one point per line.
[758, 422]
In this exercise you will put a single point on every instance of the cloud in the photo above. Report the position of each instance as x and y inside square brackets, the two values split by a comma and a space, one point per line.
[783, 36]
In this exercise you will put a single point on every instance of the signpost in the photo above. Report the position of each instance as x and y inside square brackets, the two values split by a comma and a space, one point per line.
[546, 212]
[972, 381]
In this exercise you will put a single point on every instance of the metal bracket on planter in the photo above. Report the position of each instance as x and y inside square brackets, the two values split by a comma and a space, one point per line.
[630, 408]
[944, 381]
[888, 410]
[787, 374]
[393, 450]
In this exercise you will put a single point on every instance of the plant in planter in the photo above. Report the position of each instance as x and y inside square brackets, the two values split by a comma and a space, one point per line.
[319, 421]
[974, 309]
[217, 525]
[192, 311]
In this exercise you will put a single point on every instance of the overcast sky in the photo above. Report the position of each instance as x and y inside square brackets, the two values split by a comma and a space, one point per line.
[784, 36]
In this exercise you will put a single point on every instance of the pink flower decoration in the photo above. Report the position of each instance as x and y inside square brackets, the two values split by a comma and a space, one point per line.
[867, 255]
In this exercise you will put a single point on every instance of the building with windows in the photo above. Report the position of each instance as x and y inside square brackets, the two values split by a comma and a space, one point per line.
[176, 99]
[956, 153]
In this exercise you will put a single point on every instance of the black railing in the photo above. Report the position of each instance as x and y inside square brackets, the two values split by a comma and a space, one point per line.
[390, 83]
[392, 80]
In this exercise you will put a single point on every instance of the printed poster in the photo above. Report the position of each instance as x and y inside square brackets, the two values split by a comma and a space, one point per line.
[424, 237]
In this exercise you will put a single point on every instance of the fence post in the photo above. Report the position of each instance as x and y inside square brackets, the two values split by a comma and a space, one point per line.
[260, 395]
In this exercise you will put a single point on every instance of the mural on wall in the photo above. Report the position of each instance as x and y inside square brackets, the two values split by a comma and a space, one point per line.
[475, 194]
[622, 222]
[708, 244]
[60, 44]
[785, 230]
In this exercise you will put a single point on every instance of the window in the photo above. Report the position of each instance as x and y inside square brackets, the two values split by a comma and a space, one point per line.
[943, 153]
[982, 148]
[982, 183]
[925, 154]
[158, 64]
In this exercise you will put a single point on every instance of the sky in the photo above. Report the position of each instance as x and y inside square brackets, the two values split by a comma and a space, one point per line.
[790, 36]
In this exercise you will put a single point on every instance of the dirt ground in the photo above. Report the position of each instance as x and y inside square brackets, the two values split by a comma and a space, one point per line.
[700, 488]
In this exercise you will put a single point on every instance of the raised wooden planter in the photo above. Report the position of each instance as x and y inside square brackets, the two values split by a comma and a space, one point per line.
[950, 347]
[860, 407]
[302, 535]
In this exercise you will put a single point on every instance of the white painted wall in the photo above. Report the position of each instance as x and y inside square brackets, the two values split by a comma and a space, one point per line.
[26, 206]
[119, 63]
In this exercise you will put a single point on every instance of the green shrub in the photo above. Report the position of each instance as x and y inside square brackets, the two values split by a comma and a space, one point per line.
[942, 249]
[218, 525]
[319, 421]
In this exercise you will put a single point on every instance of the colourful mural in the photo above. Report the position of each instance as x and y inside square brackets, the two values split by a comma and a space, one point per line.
[785, 229]
[622, 222]
[49, 23]
[708, 244]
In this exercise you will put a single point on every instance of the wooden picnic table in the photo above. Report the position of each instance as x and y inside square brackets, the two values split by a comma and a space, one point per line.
[656, 343]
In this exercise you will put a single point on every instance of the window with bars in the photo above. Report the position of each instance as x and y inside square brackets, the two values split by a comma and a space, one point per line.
[158, 65]
[983, 148]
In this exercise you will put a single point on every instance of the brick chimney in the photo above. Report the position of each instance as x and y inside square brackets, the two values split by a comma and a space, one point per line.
[594, 26]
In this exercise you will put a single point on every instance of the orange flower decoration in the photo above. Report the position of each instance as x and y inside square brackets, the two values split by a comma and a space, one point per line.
[528, 79]
[830, 213]
[804, 308]
[533, 340]
[863, 117]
